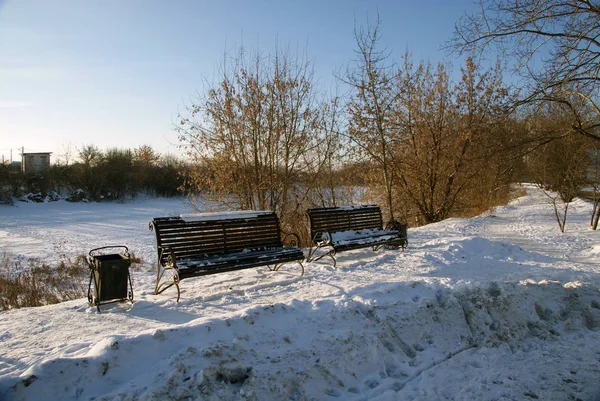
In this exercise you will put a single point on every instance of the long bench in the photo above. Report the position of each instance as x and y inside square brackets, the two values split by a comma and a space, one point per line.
[208, 243]
[351, 227]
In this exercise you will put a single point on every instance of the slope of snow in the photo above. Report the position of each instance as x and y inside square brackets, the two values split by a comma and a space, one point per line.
[499, 307]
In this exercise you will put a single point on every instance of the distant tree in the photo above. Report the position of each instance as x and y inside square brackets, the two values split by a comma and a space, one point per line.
[66, 157]
[59, 176]
[117, 168]
[168, 177]
[146, 156]
[90, 155]
[145, 161]
[88, 174]
[427, 117]
[11, 182]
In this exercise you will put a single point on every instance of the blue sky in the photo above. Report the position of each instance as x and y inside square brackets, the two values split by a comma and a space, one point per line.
[114, 73]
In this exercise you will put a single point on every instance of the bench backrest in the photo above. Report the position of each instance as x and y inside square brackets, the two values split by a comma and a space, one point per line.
[336, 219]
[215, 233]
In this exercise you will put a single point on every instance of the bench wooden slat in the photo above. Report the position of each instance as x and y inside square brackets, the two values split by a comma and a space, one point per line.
[230, 241]
[231, 237]
[184, 230]
[199, 241]
[214, 249]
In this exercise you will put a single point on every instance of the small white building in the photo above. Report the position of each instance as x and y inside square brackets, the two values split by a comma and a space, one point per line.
[35, 162]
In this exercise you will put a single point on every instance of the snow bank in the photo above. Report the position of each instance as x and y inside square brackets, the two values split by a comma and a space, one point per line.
[349, 348]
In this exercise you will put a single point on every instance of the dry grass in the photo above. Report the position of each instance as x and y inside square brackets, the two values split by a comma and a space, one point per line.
[38, 284]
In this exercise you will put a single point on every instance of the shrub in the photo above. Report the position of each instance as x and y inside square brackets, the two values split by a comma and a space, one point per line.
[39, 283]
[6, 197]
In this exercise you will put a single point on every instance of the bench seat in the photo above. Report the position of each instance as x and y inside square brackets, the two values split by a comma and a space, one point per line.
[207, 264]
[351, 227]
[347, 240]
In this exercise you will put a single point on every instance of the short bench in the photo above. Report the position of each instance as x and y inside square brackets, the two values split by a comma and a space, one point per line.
[352, 227]
[209, 243]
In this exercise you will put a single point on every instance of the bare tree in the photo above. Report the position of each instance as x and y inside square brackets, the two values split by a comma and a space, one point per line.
[328, 160]
[448, 137]
[559, 167]
[555, 45]
[67, 153]
[371, 106]
[89, 175]
[144, 160]
[252, 135]
[118, 170]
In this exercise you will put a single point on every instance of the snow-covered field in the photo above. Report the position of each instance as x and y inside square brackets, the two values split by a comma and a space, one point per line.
[498, 307]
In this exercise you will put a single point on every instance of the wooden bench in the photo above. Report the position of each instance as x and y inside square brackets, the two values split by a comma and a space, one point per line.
[352, 227]
[209, 243]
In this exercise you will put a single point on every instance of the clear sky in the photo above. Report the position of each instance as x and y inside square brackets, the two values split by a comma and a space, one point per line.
[114, 73]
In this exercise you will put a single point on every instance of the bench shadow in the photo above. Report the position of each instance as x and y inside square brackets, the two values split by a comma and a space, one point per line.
[160, 313]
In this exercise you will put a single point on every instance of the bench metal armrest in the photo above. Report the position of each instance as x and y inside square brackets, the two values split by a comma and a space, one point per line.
[161, 283]
[171, 259]
[397, 226]
[325, 240]
[291, 239]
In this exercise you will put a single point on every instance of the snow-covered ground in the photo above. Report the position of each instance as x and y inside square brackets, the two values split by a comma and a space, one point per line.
[497, 307]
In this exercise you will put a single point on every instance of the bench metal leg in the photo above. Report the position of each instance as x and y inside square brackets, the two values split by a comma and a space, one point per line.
[301, 267]
[276, 267]
[162, 286]
[331, 254]
[313, 250]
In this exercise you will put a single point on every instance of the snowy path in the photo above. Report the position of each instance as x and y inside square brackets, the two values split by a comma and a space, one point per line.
[489, 308]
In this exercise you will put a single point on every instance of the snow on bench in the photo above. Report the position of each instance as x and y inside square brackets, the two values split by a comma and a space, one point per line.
[351, 227]
[238, 214]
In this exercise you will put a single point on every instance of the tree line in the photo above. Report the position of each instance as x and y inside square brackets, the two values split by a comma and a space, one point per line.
[97, 175]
